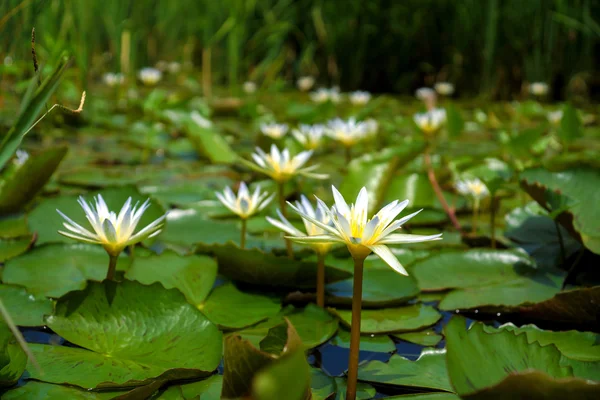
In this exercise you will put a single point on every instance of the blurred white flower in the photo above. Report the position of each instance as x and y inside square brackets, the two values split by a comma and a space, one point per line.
[305, 83]
[21, 156]
[472, 187]
[444, 88]
[310, 136]
[249, 87]
[555, 116]
[372, 126]
[174, 67]
[431, 121]
[114, 232]
[347, 132]
[324, 95]
[425, 93]
[8, 60]
[281, 166]
[538, 88]
[360, 234]
[480, 116]
[113, 79]
[245, 204]
[162, 65]
[359, 97]
[319, 213]
[274, 130]
[149, 76]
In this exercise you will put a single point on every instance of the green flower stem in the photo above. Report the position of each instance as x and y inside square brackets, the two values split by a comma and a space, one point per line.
[348, 155]
[243, 235]
[20, 339]
[112, 267]
[132, 251]
[321, 279]
[475, 215]
[355, 329]
[493, 220]
[283, 208]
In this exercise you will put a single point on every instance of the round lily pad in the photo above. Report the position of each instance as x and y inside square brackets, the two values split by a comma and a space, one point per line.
[380, 344]
[14, 247]
[424, 338]
[24, 308]
[48, 391]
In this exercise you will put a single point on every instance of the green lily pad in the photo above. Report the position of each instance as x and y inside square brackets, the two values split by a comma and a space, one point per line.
[380, 344]
[110, 176]
[209, 389]
[414, 187]
[230, 308]
[422, 338]
[515, 366]
[388, 320]
[248, 370]
[12, 357]
[14, 247]
[425, 396]
[364, 391]
[428, 372]
[322, 385]
[46, 222]
[193, 275]
[485, 278]
[382, 287]
[580, 187]
[208, 141]
[257, 267]
[130, 333]
[70, 267]
[314, 325]
[24, 308]
[13, 226]
[47, 391]
[21, 183]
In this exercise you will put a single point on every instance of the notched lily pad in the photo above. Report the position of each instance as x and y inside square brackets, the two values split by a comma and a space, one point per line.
[24, 308]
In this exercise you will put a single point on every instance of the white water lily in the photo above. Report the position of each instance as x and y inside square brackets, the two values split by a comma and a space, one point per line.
[362, 235]
[538, 88]
[444, 88]
[273, 130]
[425, 93]
[359, 97]
[249, 87]
[348, 132]
[114, 232]
[372, 126]
[113, 79]
[245, 204]
[555, 117]
[324, 95]
[309, 136]
[281, 166]
[320, 213]
[431, 121]
[149, 76]
[305, 83]
[472, 187]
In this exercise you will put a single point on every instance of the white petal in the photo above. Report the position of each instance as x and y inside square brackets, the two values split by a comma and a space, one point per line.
[285, 226]
[396, 238]
[340, 203]
[315, 239]
[361, 206]
[81, 238]
[390, 259]
[318, 223]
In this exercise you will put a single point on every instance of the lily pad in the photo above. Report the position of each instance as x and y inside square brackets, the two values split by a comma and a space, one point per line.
[12, 357]
[515, 366]
[24, 308]
[45, 221]
[266, 269]
[130, 333]
[14, 247]
[209, 389]
[20, 183]
[485, 278]
[425, 396]
[47, 391]
[230, 308]
[70, 267]
[13, 226]
[422, 338]
[192, 275]
[388, 320]
[427, 372]
[364, 391]
[380, 344]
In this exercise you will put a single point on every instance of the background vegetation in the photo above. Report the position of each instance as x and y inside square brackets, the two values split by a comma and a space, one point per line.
[483, 46]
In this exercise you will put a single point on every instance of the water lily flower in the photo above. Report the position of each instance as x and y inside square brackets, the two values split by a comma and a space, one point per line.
[249, 87]
[149, 76]
[538, 88]
[174, 67]
[245, 204]
[322, 215]
[444, 88]
[113, 231]
[305, 83]
[113, 79]
[281, 166]
[361, 235]
[359, 97]
[431, 121]
[425, 93]
[555, 117]
[274, 130]
[324, 95]
[475, 189]
[309, 136]
[348, 132]
[372, 126]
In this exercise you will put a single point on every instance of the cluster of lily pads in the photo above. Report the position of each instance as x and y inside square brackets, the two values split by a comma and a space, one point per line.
[170, 271]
